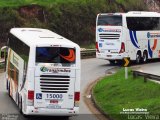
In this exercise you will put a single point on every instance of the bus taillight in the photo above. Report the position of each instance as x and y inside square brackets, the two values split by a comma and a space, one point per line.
[97, 49]
[30, 95]
[76, 99]
[122, 50]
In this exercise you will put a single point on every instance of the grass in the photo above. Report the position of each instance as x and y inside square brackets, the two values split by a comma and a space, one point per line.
[114, 93]
[1, 66]
[17, 3]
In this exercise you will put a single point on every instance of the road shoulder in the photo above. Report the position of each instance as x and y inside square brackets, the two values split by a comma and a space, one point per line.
[89, 98]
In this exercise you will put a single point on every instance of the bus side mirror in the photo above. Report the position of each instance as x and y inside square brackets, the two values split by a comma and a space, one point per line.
[3, 52]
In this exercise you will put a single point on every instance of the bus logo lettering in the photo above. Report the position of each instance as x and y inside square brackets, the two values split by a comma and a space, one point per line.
[43, 69]
[148, 35]
[100, 30]
[55, 70]
[153, 35]
[109, 30]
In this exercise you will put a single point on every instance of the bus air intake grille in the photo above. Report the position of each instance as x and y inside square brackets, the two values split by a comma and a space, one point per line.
[109, 36]
[54, 84]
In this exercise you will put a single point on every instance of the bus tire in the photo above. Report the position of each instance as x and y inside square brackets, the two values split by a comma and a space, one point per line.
[20, 107]
[7, 85]
[20, 104]
[119, 62]
[112, 62]
[9, 92]
[145, 57]
[138, 58]
[66, 117]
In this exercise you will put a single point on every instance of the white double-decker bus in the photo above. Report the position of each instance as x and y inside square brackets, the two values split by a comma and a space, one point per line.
[43, 72]
[134, 34]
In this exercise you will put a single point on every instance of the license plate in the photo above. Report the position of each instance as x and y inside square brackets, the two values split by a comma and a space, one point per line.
[109, 55]
[54, 101]
[54, 96]
[102, 51]
[54, 107]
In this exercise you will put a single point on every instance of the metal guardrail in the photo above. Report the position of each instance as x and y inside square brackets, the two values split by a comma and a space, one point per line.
[146, 76]
[89, 53]
[2, 61]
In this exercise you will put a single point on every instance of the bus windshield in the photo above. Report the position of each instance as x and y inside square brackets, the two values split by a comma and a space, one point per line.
[55, 55]
[110, 20]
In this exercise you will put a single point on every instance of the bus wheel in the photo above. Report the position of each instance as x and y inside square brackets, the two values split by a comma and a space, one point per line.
[145, 56]
[119, 62]
[20, 107]
[138, 58]
[7, 85]
[112, 62]
[20, 104]
[66, 117]
[9, 92]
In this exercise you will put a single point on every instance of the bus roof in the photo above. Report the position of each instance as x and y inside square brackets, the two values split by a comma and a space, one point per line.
[40, 37]
[111, 13]
[143, 13]
[135, 13]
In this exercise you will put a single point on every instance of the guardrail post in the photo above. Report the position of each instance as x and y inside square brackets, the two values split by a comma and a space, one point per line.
[145, 78]
[134, 75]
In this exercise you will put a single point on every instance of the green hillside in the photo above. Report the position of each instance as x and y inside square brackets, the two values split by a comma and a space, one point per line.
[17, 3]
[74, 19]
[12, 3]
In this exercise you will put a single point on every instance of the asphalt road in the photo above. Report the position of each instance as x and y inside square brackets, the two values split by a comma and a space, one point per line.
[91, 70]
[151, 68]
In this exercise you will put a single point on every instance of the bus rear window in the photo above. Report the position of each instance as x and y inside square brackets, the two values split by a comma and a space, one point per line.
[55, 55]
[113, 20]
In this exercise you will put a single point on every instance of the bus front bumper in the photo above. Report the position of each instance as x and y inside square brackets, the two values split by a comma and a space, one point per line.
[110, 56]
[51, 112]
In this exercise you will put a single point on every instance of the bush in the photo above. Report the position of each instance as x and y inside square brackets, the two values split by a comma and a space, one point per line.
[74, 19]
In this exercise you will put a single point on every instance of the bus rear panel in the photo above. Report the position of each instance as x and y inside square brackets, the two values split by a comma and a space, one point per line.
[43, 79]
[135, 34]
[109, 44]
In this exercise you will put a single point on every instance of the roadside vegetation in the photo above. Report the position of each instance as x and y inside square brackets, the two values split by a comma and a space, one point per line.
[1, 66]
[114, 93]
[73, 19]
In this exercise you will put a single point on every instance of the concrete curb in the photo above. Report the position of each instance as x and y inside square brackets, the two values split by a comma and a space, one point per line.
[97, 107]
[89, 89]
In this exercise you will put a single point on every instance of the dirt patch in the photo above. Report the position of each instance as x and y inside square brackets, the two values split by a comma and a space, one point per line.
[90, 104]
[32, 11]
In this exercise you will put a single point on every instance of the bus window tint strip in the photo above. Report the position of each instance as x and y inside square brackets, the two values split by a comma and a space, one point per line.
[55, 55]
[19, 47]
[113, 20]
[143, 23]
